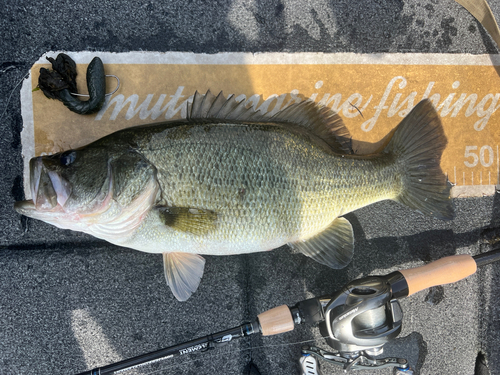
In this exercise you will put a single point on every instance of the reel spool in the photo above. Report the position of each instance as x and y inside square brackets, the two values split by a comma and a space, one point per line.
[363, 316]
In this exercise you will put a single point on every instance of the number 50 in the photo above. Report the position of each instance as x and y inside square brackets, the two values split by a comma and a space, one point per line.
[485, 156]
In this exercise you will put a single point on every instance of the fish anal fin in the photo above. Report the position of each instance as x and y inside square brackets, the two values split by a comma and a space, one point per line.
[192, 220]
[306, 115]
[333, 247]
[183, 272]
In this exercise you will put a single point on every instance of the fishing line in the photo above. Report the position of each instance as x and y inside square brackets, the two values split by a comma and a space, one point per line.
[12, 92]
[9, 68]
[213, 355]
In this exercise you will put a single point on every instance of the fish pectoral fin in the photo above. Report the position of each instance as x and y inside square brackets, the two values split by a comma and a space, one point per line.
[333, 247]
[193, 220]
[183, 272]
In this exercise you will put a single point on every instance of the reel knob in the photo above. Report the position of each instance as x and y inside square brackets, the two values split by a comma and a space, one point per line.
[309, 365]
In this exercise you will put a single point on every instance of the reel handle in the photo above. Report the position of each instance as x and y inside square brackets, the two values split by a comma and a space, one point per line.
[443, 271]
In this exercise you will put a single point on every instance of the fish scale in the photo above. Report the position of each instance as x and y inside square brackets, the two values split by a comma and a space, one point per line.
[288, 186]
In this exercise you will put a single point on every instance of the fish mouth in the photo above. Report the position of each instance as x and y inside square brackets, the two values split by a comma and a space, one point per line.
[49, 190]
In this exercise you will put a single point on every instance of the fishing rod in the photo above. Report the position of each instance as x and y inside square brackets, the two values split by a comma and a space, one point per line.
[356, 321]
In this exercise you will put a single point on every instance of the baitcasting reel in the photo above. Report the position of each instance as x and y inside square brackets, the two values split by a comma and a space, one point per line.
[357, 321]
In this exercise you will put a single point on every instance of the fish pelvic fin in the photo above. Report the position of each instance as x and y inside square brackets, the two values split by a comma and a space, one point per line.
[333, 247]
[183, 272]
[418, 144]
[317, 120]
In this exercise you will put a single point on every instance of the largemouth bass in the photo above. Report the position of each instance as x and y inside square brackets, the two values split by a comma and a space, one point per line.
[230, 180]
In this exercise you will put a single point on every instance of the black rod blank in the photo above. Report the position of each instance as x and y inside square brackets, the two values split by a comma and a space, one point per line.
[487, 258]
[200, 344]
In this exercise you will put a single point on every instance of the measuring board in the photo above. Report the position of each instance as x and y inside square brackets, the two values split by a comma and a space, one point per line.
[372, 93]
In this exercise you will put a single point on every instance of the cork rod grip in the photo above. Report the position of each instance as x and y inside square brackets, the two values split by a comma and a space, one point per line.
[277, 320]
[443, 271]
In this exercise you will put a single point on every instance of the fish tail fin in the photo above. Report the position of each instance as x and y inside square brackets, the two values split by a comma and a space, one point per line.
[418, 143]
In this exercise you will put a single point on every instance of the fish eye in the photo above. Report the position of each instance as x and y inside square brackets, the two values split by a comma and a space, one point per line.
[67, 158]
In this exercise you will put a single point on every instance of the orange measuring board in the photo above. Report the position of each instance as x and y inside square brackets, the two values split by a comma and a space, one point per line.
[372, 93]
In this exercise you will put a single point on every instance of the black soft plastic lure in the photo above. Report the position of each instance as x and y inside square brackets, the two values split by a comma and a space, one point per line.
[60, 84]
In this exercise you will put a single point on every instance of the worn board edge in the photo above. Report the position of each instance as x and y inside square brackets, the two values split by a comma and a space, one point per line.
[474, 191]
[236, 58]
[28, 132]
[277, 58]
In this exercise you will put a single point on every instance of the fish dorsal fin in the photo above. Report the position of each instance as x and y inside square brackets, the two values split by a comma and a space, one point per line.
[320, 121]
[183, 272]
[333, 247]
[316, 119]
